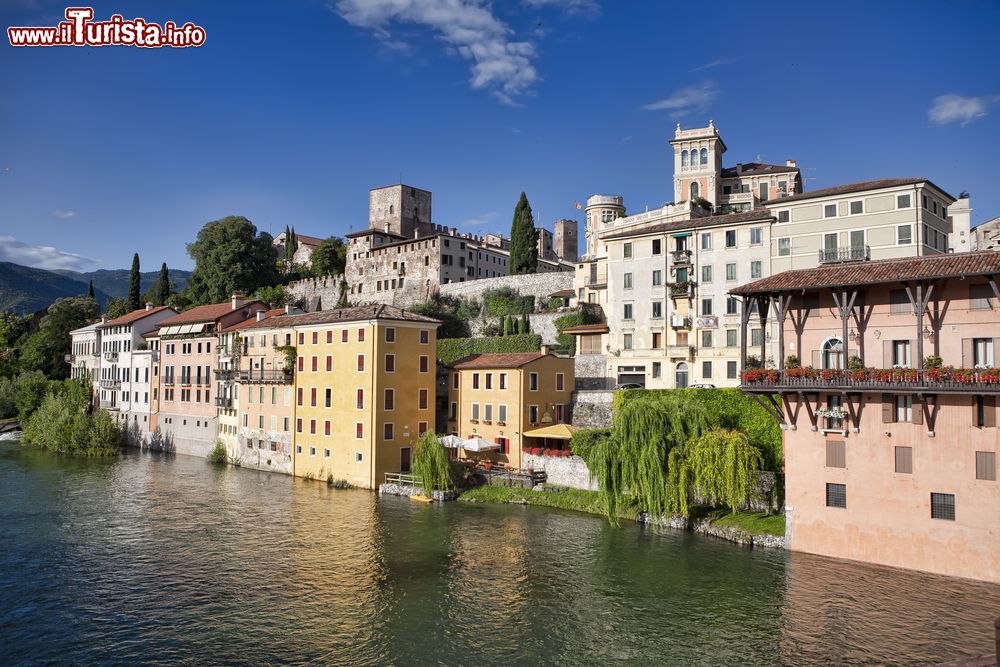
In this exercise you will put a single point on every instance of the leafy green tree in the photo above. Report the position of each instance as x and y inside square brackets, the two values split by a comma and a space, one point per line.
[116, 307]
[724, 466]
[447, 309]
[134, 292]
[180, 300]
[13, 328]
[274, 295]
[329, 258]
[230, 256]
[430, 464]
[90, 289]
[45, 348]
[31, 390]
[523, 239]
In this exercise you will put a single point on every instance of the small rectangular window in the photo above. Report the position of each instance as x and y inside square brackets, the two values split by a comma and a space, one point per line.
[706, 273]
[706, 306]
[657, 246]
[836, 454]
[904, 460]
[782, 216]
[731, 370]
[904, 235]
[627, 250]
[533, 381]
[755, 236]
[730, 238]
[706, 370]
[830, 211]
[836, 495]
[388, 431]
[627, 311]
[390, 335]
[390, 363]
[785, 247]
[986, 466]
[731, 271]
[706, 241]
[903, 201]
[755, 269]
[627, 279]
[857, 207]
[425, 337]
[943, 506]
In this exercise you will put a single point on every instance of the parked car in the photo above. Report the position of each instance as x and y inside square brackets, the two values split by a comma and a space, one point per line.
[628, 385]
[702, 385]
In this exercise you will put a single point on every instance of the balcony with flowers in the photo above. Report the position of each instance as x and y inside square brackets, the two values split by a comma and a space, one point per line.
[946, 379]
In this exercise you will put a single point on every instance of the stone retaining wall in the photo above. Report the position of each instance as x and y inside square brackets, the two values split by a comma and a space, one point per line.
[407, 490]
[592, 408]
[569, 471]
[706, 527]
[540, 285]
[591, 371]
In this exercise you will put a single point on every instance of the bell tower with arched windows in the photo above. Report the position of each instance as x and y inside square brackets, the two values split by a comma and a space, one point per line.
[697, 163]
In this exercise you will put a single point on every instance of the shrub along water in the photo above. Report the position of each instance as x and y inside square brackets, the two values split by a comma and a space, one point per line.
[61, 423]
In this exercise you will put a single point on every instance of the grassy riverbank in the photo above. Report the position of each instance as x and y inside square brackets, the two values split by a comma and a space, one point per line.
[754, 523]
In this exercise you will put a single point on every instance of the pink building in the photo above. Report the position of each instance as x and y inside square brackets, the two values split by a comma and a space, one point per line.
[189, 356]
[887, 395]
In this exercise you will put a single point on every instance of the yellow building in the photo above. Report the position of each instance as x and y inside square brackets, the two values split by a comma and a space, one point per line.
[364, 391]
[497, 397]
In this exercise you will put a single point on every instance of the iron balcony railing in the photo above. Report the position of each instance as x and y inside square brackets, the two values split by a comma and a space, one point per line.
[111, 384]
[168, 380]
[681, 257]
[226, 374]
[111, 356]
[223, 402]
[681, 290]
[261, 375]
[849, 254]
[889, 380]
[108, 405]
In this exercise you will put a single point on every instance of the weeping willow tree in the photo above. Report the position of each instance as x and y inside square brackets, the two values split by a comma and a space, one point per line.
[636, 458]
[724, 466]
[431, 464]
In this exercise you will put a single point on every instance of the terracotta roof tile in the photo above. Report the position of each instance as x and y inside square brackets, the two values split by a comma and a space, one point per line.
[209, 313]
[352, 314]
[563, 292]
[851, 188]
[695, 223]
[497, 360]
[877, 272]
[134, 316]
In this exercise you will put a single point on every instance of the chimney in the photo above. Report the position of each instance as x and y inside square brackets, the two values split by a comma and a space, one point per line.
[236, 301]
[149, 306]
[544, 349]
[104, 318]
[791, 163]
[288, 309]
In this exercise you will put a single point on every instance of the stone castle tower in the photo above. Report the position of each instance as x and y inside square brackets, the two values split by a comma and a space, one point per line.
[697, 163]
[566, 238]
[400, 209]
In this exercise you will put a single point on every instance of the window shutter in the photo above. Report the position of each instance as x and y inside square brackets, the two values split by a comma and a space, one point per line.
[967, 356]
[917, 414]
[887, 354]
[836, 455]
[887, 408]
[904, 460]
[986, 466]
[989, 411]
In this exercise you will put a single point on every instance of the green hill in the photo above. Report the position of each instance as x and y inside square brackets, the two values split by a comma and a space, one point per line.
[114, 282]
[24, 289]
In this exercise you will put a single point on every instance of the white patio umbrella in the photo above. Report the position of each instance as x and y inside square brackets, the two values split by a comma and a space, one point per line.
[477, 444]
[450, 441]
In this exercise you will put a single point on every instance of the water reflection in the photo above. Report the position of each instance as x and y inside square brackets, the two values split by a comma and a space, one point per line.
[162, 559]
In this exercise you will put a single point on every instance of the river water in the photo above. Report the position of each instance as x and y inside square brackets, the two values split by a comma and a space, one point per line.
[165, 560]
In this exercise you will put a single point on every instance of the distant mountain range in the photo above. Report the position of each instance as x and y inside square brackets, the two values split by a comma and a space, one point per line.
[24, 289]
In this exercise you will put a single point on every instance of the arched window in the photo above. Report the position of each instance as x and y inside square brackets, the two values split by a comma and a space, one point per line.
[695, 189]
[833, 353]
[704, 157]
[684, 158]
[681, 375]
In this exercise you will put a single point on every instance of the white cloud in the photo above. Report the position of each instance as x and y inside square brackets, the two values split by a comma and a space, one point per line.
[952, 108]
[590, 8]
[480, 220]
[42, 257]
[469, 27]
[63, 214]
[714, 63]
[693, 98]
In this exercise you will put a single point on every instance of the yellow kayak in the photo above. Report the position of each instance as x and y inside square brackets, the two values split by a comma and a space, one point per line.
[421, 499]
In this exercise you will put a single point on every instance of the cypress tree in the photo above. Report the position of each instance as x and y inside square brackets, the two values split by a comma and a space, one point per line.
[525, 324]
[134, 295]
[523, 239]
[288, 242]
[163, 286]
[90, 290]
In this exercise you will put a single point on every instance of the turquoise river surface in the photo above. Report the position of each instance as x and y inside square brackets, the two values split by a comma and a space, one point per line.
[166, 560]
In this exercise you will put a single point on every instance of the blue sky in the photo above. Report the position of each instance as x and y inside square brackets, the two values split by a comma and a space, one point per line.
[292, 110]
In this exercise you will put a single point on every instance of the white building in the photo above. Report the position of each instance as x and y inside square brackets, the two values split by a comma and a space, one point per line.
[84, 358]
[126, 367]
